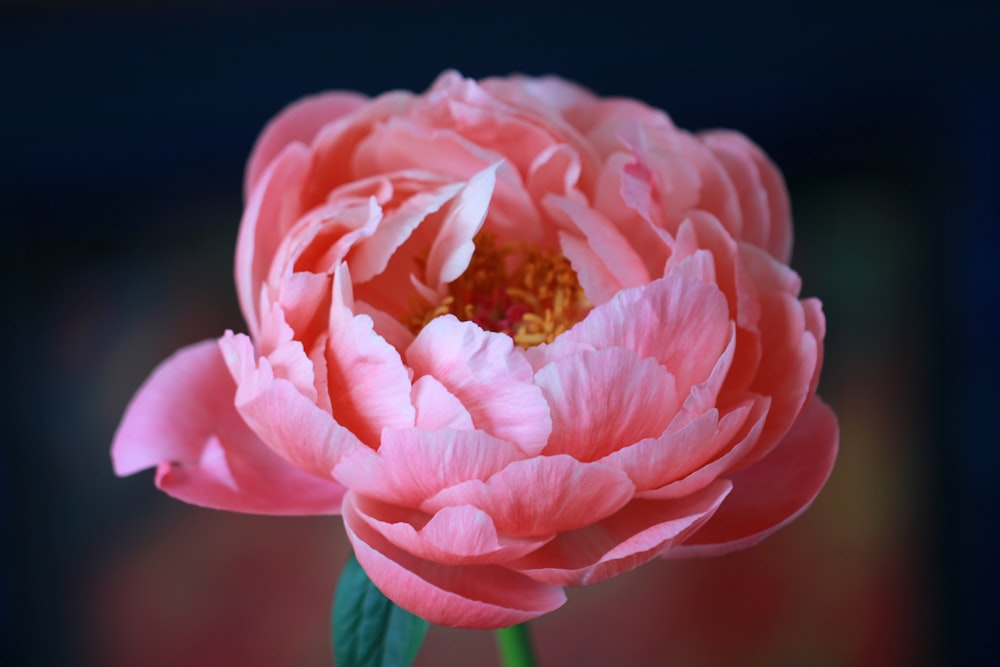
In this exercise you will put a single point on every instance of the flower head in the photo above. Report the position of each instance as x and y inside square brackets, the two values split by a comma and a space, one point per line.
[519, 336]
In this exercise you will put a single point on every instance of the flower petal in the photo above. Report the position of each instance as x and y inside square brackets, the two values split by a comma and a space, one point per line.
[491, 378]
[603, 400]
[774, 491]
[654, 462]
[465, 596]
[299, 122]
[369, 385]
[763, 197]
[436, 408]
[413, 464]
[272, 208]
[183, 420]
[679, 321]
[288, 422]
[635, 535]
[542, 495]
[462, 535]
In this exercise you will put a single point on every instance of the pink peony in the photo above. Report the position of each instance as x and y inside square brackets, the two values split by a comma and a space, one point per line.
[519, 336]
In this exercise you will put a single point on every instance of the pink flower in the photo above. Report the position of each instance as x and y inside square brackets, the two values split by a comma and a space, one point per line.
[520, 337]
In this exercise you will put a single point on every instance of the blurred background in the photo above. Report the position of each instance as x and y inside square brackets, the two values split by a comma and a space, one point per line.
[123, 133]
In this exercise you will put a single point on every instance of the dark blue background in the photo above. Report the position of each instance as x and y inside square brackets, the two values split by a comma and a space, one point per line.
[123, 134]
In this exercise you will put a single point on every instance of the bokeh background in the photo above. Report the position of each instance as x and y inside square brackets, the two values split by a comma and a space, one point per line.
[123, 132]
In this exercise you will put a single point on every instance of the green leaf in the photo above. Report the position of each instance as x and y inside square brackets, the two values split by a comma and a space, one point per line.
[369, 630]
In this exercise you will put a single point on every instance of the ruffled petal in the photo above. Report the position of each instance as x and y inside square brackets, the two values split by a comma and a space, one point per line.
[542, 495]
[627, 539]
[368, 383]
[462, 596]
[299, 122]
[436, 408]
[462, 535]
[272, 208]
[603, 400]
[413, 465]
[490, 376]
[679, 321]
[288, 422]
[653, 462]
[761, 189]
[183, 420]
[774, 491]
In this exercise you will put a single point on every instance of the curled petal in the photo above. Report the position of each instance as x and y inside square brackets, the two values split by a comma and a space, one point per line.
[462, 535]
[635, 535]
[681, 322]
[436, 408]
[463, 596]
[542, 495]
[606, 399]
[299, 122]
[272, 209]
[491, 378]
[775, 490]
[183, 420]
[288, 422]
[368, 383]
[761, 190]
[412, 465]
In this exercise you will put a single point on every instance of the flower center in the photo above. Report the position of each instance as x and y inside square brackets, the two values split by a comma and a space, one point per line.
[530, 294]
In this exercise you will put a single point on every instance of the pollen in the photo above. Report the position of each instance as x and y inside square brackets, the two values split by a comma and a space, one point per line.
[531, 294]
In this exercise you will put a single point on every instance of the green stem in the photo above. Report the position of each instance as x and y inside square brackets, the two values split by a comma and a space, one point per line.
[514, 645]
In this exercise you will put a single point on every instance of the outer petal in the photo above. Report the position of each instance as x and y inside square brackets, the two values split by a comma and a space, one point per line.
[184, 420]
[542, 495]
[761, 190]
[774, 491]
[299, 122]
[462, 535]
[491, 378]
[470, 596]
[271, 210]
[623, 541]
[290, 424]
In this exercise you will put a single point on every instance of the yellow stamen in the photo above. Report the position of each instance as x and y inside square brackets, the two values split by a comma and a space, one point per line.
[531, 294]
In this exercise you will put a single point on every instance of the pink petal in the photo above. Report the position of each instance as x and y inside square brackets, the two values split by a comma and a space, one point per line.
[744, 432]
[774, 491]
[542, 495]
[633, 536]
[453, 247]
[369, 386]
[603, 238]
[654, 462]
[288, 422]
[272, 208]
[299, 122]
[463, 535]
[436, 408]
[183, 420]
[413, 465]
[789, 356]
[761, 190]
[681, 322]
[371, 256]
[466, 596]
[603, 400]
[491, 378]
[597, 280]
